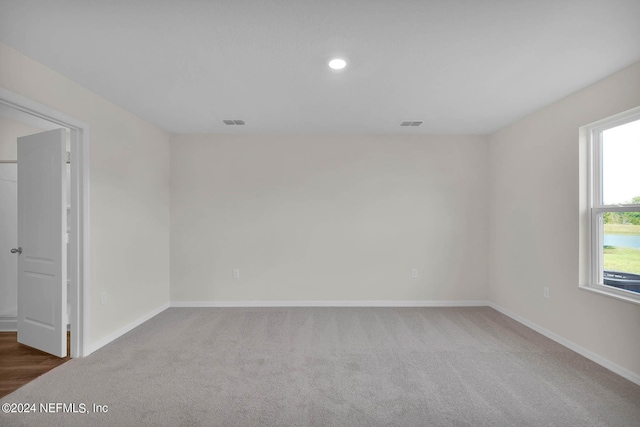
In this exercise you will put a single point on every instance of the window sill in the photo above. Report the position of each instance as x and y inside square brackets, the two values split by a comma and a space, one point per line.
[628, 296]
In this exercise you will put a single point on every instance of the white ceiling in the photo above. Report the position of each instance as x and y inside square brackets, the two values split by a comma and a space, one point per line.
[461, 66]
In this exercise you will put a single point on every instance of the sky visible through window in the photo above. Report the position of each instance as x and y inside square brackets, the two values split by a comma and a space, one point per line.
[621, 163]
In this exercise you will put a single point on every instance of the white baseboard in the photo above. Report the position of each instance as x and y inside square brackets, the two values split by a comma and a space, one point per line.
[8, 324]
[374, 303]
[117, 334]
[623, 372]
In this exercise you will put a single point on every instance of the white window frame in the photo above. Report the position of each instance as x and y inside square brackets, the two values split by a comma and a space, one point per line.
[591, 140]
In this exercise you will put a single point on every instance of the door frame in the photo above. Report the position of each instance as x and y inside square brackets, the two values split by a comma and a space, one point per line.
[79, 236]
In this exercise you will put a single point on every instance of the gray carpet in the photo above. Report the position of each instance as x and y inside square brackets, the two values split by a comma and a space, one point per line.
[333, 367]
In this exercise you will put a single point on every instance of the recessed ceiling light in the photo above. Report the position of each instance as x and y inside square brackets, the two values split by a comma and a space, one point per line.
[337, 64]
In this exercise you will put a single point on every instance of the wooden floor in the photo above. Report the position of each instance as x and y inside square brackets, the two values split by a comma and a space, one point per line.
[20, 364]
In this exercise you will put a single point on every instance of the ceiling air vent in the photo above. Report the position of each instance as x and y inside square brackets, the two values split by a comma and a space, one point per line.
[410, 123]
[233, 122]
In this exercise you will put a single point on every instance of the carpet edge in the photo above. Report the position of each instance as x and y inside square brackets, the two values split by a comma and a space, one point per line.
[337, 303]
[605, 363]
[130, 326]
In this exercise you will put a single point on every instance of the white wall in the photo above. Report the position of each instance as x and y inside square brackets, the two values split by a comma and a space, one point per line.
[8, 239]
[534, 223]
[129, 198]
[328, 218]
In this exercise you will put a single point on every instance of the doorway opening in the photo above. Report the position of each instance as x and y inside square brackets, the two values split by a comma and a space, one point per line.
[22, 115]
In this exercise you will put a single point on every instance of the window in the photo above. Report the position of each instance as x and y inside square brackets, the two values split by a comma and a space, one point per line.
[614, 206]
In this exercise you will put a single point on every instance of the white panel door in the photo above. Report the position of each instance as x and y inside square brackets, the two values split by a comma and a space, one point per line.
[42, 234]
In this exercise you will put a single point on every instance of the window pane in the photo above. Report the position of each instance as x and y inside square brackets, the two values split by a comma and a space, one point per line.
[620, 160]
[621, 249]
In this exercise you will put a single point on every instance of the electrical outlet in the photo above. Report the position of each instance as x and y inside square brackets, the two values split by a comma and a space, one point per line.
[414, 273]
[103, 298]
[236, 273]
[545, 292]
